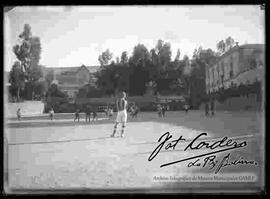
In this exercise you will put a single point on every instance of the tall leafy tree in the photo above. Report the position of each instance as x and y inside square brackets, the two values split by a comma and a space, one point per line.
[201, 58]
[225, 45]
[229, 42]
[17, 78]
[124, 57]
[163, 50]
[140, 55]
[28, 53]
[221, 46]
[105, 57]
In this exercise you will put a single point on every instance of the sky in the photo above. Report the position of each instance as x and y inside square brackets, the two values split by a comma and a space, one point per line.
[76, 35]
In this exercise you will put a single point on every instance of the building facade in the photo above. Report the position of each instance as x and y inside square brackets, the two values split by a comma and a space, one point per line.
[71, 79]
[240, 65]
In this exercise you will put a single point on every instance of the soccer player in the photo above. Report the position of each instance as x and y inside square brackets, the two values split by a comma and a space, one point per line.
[121, 106]
[87, 113]
[135, 111]
[94, 113]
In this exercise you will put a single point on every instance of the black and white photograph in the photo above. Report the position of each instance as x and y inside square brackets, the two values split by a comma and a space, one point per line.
[134, 99]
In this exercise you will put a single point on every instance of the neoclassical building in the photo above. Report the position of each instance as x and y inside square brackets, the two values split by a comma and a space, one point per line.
[240, 65]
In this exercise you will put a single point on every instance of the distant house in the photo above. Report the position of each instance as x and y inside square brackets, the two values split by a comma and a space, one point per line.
[70, 79]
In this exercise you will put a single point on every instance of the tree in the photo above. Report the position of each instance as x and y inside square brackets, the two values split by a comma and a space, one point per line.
[40, 88]
[17, 78]
[140, 55]
[49, 77]
[105, 57]
[117, 60]
[221, 47]
[54, 91]
[229, 42]
[201, 58]
[124, 58]
[35, 73]
[177, 57]
[28, 53]
[163, 51]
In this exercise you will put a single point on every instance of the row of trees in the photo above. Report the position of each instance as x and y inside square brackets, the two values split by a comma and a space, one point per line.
[157, 70]
[225, 45]
[134, 73]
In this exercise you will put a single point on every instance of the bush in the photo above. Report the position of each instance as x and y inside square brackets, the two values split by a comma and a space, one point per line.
[67, 108]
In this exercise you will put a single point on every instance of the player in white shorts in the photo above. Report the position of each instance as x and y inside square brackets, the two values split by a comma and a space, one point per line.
[121, 106]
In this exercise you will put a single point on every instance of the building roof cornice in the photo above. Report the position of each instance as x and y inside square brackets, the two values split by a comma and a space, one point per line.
[233, 49]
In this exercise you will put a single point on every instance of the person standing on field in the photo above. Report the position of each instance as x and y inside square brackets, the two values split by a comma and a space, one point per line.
[87, 114]
[121, 106]
[206, 109]
[163, 110]
[19, 115]
[51, 113]
[213, 108]
[77, 115]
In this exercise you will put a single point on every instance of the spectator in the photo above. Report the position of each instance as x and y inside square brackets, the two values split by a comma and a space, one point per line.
[134, 111]
[163, 109]
[213, 107]
[19, 114]
[87, 114]
[159, 110]
[206, 109]
[77, 115]
[51, 113]
[110, 112]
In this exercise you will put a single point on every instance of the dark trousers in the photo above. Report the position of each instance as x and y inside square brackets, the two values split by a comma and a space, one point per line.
[87, 116]
[94, 116]
[77, 117]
